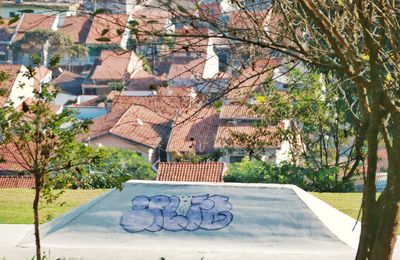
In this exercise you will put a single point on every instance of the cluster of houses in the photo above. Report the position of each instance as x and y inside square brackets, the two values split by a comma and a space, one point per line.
[145, 90]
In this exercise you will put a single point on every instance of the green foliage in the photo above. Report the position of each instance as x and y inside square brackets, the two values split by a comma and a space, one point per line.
[308, 179]
[320, 136]
[114, 167]
[146, 64]
[46, 143]
[116, 86]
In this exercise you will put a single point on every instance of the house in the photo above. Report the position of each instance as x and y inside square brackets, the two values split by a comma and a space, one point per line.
[193, 133]
[141, 124]
[231, 132]
[191, 172]
[112, 67]
[77, 28]
[152, 24]
[70, 82]
[138, 128]
[239, 136]
[107, 31]
[17, 87]
[194, 61]
[142, 83]
[28, 23]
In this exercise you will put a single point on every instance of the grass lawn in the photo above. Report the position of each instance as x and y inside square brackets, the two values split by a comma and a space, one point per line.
[16, 204]
[348, 203]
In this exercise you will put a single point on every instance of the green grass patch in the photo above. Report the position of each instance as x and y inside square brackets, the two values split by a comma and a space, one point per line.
[16, 204]
[348, 203]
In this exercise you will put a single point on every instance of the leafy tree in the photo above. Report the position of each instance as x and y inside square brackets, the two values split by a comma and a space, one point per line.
[320, 134]
[248, 171]
[116, 166]
[43, 143]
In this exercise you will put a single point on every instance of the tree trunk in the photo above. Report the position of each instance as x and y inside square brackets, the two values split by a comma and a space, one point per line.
[369, 217]
[389, 200]
[386, 235]
[36, 217]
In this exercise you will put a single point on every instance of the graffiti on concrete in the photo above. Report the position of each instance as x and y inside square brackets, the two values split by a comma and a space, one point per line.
[162, 212]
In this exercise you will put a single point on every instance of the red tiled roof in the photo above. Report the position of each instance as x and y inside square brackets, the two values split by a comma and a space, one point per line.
[141, 125]
[77, 27]
[192, 41]
[237, 111]
[113, 65]
[31, 22]
[195, 130]
[107, 26]
[158, 111]
[227, 131]
[8, 182]
[142, 81]
[244, 20]
[191, 172]
[11, 160]
[151, 21]
[251, 78]
[11, 71]
[187, 68]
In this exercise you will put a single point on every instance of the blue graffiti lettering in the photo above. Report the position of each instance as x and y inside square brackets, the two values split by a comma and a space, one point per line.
[159, 212]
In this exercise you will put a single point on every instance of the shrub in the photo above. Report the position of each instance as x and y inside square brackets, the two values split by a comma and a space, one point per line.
[308, 179]
[114, 167]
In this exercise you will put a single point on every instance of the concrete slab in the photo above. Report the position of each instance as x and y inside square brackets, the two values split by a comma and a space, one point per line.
[149, 220]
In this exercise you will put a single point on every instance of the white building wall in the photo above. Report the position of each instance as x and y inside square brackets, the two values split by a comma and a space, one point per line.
[113, 141]
[22, 89]
[211, 66]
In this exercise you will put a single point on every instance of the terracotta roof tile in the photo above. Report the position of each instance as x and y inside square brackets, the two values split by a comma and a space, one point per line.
[113, 65]
[242, 20]
[21, 182]
[191, 41]
[195, 130]
[227, 130]
[187, 68]
[151, 21]
[12, 72]
[156, 113]
[12, 161]
[31, 22]
[142, 125]
[112, 26]
[77, 27]
[141, 80]
[237, 111]
[191, 172]
[251, 78]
